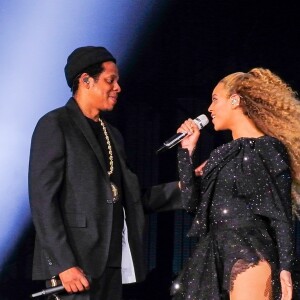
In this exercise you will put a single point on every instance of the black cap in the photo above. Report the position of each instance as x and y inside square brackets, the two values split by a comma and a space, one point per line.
[83, 57]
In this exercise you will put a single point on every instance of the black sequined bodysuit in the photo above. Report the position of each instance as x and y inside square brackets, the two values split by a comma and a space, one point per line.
[243, 215]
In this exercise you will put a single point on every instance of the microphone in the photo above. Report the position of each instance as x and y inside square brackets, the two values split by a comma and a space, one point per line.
[200, 121]
[48, 291]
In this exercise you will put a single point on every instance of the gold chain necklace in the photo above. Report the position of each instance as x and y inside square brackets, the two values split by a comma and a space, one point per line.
[114, 189]
[111, 158]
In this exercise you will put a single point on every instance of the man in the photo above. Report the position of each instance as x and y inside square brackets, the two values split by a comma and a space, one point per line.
[85, 202]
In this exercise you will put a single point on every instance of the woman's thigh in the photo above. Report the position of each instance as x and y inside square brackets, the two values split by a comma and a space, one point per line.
[250, 282]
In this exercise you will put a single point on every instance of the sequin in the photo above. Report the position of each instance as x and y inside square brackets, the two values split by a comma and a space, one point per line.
[243, 215]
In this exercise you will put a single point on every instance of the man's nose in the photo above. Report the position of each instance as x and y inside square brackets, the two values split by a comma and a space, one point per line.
[117, 87]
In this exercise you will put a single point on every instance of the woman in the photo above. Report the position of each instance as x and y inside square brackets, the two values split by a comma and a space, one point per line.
[242, 195]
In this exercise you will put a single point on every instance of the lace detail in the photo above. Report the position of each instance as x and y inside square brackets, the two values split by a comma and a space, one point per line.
[268, 291]
[239, 267]
[242, 266]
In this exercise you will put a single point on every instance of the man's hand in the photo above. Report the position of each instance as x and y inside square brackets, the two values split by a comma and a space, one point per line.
[199, 170]
[74, 280]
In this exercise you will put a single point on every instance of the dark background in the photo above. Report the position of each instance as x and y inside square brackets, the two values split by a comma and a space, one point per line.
[169, 78]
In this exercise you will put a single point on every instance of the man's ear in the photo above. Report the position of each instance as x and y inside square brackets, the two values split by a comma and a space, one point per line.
[86, 80]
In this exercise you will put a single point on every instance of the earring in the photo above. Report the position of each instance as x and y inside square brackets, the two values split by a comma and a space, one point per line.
[234, 101]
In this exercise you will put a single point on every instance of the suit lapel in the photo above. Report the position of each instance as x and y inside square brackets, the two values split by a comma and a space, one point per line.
[79, 119]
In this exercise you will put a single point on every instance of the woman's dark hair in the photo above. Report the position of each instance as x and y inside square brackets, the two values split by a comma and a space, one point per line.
[93, 71]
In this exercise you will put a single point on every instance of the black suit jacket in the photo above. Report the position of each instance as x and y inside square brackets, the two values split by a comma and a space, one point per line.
[70, 192]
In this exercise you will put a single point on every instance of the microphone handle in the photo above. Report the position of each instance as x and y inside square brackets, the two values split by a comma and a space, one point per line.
[200, 121]
[48, 291]
[175, 139]
[171, 142]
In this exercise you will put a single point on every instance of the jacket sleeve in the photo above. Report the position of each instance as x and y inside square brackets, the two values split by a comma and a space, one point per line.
[46, 175]
[162, 197]
[189, 183]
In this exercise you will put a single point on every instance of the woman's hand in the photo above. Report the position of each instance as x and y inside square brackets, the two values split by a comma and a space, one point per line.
[286, 285]
[190, 141]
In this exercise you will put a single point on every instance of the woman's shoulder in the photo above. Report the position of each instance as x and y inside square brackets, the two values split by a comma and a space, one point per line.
[268, 150]
[266, 147]
[263, 143]
[270, 146]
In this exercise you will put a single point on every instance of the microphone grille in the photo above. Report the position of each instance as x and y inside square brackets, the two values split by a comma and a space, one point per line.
[201, 121]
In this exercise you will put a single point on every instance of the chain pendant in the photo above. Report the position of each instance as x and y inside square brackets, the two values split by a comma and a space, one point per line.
[115, 192]
[114, 189]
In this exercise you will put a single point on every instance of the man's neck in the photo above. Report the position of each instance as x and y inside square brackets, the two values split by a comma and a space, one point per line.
[89, 112]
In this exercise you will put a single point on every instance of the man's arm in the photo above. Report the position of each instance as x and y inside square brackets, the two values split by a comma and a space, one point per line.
[46, 176]
[162, 197]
